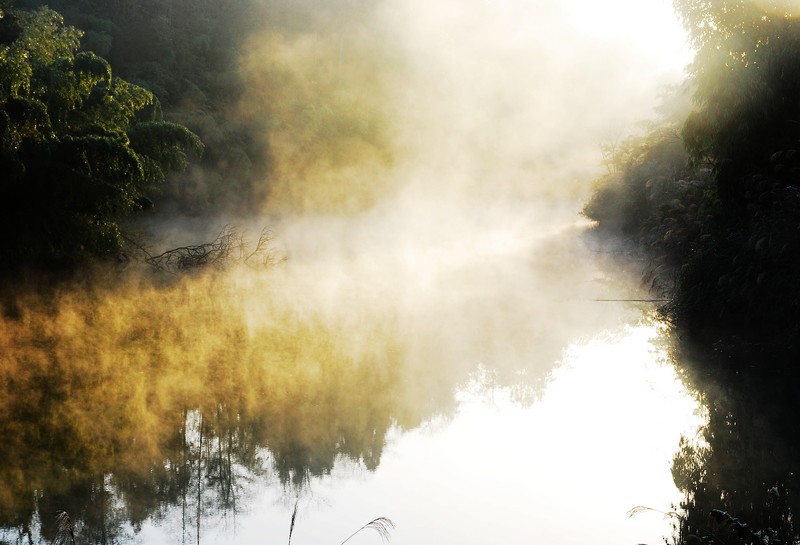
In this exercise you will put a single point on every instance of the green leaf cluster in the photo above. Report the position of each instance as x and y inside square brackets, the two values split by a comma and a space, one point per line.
[185, 53]
[80, 148]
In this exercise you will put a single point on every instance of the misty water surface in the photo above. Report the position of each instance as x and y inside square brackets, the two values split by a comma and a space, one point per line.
[447, 350]
[486, 383]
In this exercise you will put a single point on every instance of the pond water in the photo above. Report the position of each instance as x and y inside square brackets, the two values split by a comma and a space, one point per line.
[565, 469]
[460, 358]
[500, 387]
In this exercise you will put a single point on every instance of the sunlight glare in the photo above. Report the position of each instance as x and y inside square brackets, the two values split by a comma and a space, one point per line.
[647, 28]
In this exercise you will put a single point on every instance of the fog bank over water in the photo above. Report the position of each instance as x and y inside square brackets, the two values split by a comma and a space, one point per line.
[431, 160]
[450, 100]
[491, 119]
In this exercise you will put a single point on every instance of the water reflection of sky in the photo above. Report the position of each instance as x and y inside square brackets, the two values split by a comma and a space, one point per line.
[566, 468]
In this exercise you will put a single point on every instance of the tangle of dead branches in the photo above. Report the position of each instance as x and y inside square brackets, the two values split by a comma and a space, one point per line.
[228, 249]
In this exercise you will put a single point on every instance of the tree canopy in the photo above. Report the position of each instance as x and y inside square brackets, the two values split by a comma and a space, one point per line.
[719, 222]
[185, 53]
[746, 76]
[80, 148]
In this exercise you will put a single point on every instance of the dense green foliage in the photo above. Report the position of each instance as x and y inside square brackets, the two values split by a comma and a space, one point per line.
[185, 53]
[747, 83]
[190, 55]
[79, 148]
[722, 213]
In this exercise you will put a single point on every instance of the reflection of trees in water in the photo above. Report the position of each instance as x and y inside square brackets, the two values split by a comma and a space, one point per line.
[135, 405]
[741, 478]
[204, 470]
[156, 400]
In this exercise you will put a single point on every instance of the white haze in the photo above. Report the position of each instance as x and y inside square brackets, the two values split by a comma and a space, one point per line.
[493, 105]
[497, 111]
[516, 96]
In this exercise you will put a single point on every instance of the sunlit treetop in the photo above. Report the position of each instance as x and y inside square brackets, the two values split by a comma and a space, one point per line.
[746, 77]
[733, 24]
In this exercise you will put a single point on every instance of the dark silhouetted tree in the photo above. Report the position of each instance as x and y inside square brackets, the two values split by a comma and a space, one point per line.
[80, 149]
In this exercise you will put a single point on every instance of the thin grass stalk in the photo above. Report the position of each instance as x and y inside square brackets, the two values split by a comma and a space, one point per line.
[382, 525]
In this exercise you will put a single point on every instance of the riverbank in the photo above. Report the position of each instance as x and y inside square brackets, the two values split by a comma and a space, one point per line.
[729, 274]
